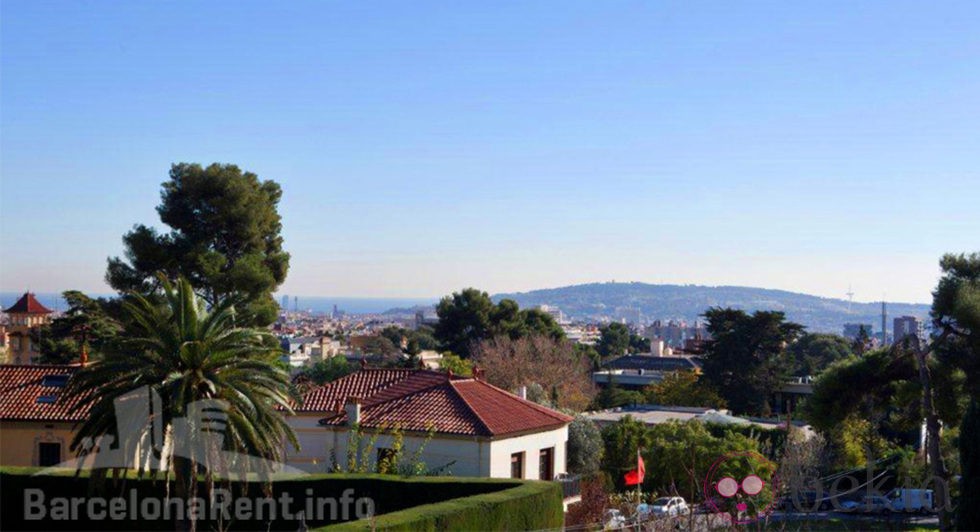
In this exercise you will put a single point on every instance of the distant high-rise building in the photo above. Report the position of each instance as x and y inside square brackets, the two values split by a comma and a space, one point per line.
[295, 303]
[284, 304]
[907, 326]
[554, 312]
[853, 330]
[884, 324]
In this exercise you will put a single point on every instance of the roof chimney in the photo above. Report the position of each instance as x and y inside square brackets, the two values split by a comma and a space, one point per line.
[353, 410]
[522, 392]
[363, 363]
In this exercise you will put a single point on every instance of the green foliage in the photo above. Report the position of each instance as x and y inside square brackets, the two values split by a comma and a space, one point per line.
[459, 366]
[612, 396]
[621, 441]
[678, 455]
[746, 359]
[187, 353]
[956, 314]
[813, 353]
[379, 345]
[469, 316]
[328, 370]
[531, 505]
[873, 403]
[616, 339]
[410, 342]
[585, 448]
[683, 388]
[588, 352]
[968, 513]
[60, 342]
[224, 237]
[857, 386]
[417, 503]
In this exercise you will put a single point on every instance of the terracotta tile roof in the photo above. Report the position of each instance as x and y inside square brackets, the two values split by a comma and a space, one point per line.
[362, 384]
[27, 304]
[415, 400]
[31, 393]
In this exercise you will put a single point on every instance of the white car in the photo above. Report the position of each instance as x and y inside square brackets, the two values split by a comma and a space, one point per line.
[868, 505]
[669, 506]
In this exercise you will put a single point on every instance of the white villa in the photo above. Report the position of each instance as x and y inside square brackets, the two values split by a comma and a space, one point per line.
[477, 429]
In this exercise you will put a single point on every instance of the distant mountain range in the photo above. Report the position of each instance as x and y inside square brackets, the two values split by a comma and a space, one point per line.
[615, 301]
[597, 301]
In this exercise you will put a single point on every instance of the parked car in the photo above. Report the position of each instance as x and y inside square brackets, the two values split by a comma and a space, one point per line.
[613, 519]
[911, 500]
[874, 504]
[669, 506]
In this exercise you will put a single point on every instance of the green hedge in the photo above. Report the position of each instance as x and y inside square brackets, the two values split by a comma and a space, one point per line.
[533, 505]
[400, 502]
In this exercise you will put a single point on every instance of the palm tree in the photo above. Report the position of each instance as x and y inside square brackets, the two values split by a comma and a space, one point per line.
[190, 356]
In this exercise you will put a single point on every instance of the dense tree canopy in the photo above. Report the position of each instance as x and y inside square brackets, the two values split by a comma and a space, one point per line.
[469, 316]
[224, 238]
[616, 339]
[746, 359]
[956, 318]
[683, 388]
[86, 320]
[678, 455]
[409, 341]
[814, 352]
[956, 315]
[585, 447]
[328, 370]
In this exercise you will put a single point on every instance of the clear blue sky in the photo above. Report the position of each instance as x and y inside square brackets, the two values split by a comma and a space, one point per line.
[423, 147]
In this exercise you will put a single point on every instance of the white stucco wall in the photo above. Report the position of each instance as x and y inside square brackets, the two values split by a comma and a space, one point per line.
[530, 444]
[468, 456]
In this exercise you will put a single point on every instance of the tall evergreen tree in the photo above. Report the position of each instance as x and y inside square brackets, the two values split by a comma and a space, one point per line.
[968, 511]
[224, 237]
[746, 359]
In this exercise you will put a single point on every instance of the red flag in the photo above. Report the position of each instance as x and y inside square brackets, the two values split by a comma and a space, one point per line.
[635, 476]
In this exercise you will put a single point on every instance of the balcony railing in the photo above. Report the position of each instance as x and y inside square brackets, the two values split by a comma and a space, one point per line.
[571, 485]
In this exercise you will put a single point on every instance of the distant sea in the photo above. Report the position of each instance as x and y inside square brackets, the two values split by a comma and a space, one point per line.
[355, 305]
[350, 305]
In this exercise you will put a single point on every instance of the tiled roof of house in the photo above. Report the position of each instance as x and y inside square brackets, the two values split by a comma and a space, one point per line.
[31, 393]
[28, 304]
[416, 399]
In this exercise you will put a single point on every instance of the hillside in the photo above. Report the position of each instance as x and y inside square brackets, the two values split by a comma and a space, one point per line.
[658, 301]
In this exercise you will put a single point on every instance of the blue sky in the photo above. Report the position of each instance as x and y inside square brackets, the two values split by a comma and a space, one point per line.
[423, 147]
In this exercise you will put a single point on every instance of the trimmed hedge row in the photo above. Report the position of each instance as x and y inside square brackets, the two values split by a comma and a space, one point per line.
[400, 503]
[533, 505]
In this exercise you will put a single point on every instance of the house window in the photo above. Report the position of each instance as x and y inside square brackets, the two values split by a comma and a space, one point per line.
[48, 454]
[517, 465]
[546, 463]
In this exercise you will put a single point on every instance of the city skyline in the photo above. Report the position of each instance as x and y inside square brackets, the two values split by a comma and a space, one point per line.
[423, 149]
